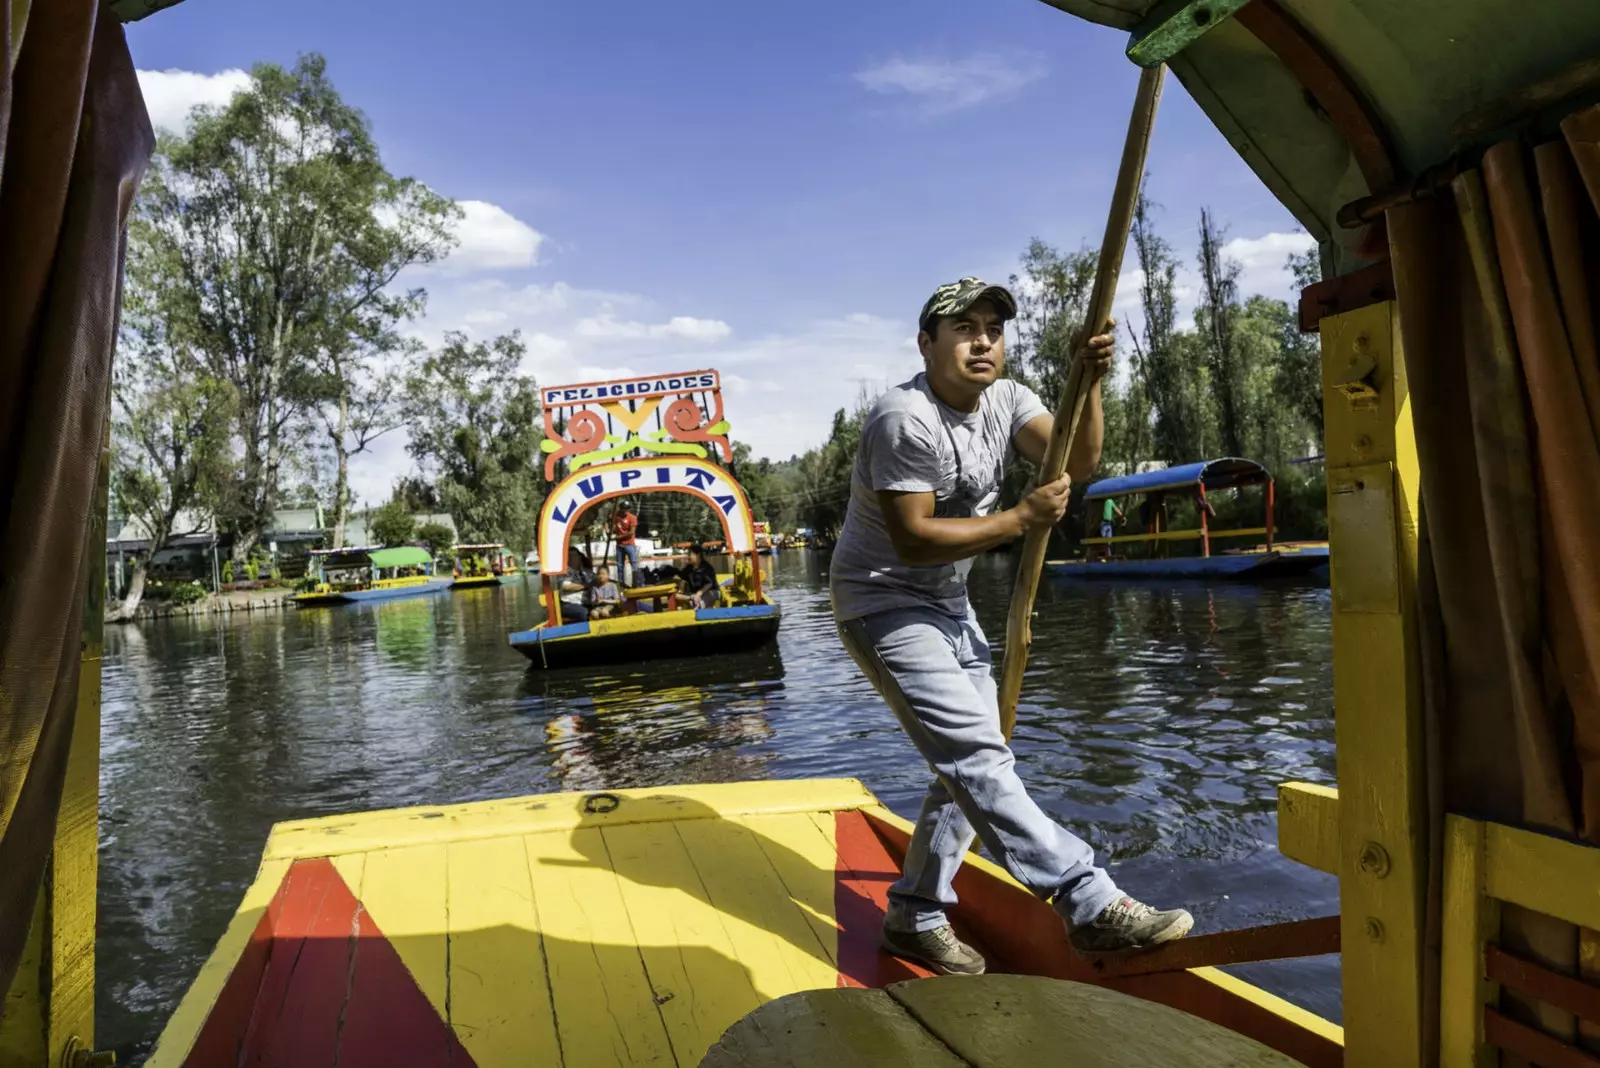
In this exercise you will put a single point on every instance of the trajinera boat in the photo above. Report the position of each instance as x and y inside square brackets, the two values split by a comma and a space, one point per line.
[622, 439]
[1153, 490]
[370, 573]
[489, 564]
[1444, 157]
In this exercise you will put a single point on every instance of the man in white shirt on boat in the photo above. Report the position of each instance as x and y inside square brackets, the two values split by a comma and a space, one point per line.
[926, 480]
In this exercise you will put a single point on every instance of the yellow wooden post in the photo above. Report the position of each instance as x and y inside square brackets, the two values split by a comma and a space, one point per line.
[1372, 535]
[49, 1010]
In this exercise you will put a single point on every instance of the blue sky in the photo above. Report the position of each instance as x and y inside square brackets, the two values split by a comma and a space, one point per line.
[768, 189]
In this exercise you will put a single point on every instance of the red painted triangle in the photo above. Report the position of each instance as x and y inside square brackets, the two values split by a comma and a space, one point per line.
[319, 985]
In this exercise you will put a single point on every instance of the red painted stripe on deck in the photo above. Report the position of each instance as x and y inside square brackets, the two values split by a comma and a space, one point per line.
[863, 872]
[333, 991]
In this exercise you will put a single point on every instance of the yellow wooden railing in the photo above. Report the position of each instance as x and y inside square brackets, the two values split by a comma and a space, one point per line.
[1178, 535]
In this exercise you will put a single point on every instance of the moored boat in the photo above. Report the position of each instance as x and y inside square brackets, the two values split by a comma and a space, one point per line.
[369, 573]
[1188, 482]
[489, 564]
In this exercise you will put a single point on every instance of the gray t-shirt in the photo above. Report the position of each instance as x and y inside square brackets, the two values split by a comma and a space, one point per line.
[914, 443]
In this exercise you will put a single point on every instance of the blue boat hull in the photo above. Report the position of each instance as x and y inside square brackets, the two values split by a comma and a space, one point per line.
[353, 596]
[706, 631]
[1241, 566]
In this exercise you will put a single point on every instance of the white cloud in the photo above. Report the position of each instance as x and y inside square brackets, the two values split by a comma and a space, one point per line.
[169, 95]
[939, 86]
[492, 239]
[1263, 261]
[683, 327]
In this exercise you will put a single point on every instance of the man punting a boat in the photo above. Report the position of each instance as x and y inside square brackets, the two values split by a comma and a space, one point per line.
[926, 480]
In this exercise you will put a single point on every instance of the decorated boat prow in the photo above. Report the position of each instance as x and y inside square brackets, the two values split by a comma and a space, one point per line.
[369, 573]
[627, 438]
[1105, 557]
[488, 564]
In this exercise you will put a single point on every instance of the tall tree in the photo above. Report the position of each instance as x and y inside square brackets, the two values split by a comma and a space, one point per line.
[277, 230]
[1219, 277]
[171, 461]
[1165, 361]
[473, 418]
[358, 399]
[1052, 299]
[1300, 369]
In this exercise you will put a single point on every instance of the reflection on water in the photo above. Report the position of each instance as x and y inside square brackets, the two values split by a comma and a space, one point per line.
[1156, 721]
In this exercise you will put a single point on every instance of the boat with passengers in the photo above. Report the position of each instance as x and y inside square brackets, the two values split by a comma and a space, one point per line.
[621, 439]
[369, 573]
[488, 564]
[1441, 154]
[1146, 500]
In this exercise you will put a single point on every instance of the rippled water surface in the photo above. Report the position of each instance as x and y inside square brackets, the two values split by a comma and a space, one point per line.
[1156, 722]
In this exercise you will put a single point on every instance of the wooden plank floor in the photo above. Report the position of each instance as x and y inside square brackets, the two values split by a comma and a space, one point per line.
[625, 943]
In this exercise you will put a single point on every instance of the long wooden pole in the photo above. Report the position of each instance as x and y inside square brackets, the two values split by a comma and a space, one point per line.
[1130, 176]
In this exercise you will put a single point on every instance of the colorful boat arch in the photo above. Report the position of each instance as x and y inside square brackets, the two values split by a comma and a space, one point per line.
[587, 487]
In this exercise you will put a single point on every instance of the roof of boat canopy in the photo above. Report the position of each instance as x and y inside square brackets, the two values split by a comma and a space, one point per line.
[376, 555]
[1224, 473]
[1329, 100]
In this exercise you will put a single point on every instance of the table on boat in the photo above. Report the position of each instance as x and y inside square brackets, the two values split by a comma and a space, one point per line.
[988, 1021]
[653, 594]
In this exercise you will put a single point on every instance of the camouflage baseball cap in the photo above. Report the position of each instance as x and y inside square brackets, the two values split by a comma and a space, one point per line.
[953, 298]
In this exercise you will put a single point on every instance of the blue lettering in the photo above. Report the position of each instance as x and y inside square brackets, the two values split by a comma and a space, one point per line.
[699, 479]
[555, 513]
[663, 475]
[569, 394]
[726, 504]
[592, 486]
[675, 383]
[630, 477]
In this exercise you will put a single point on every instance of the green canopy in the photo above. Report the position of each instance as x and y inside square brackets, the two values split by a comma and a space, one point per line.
[404, 556]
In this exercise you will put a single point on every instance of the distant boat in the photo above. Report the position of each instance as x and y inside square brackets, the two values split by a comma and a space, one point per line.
[1193, 482]
[370, 573]
[488, 564]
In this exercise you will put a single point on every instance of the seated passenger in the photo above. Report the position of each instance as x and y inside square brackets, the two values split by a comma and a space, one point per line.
[574, 587]
[603, 597]
[698, 581]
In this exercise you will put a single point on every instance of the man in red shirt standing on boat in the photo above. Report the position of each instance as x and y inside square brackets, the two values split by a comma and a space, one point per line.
[922, 497]
[623, 525]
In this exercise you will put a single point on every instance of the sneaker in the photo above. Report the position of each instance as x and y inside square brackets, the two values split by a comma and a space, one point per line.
[938, 949]
[1128, 926]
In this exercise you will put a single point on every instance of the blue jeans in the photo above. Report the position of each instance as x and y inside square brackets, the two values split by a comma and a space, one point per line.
[934, 672]
[630, 555]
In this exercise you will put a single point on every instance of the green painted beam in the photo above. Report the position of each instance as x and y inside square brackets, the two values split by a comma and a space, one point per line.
[1174, 25]
[134, 10]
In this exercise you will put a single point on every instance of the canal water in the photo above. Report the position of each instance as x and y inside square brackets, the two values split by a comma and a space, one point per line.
[1156, 721]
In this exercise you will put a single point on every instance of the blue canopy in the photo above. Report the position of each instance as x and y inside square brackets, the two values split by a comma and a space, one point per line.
[1224, 473]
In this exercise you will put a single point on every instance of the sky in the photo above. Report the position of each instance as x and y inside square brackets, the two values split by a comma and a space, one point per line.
[771, 190]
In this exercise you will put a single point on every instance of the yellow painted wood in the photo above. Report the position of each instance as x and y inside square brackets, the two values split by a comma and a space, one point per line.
[404, 891]
[771, 936]
[700, 985]
[1373, 487]
[351, 868]
[604, 1009]
[183, 1027]
[1308, 825]
[804, 856]
[1471, 920]
[22, 1016]
[391, 828]
[1548, 875]
[500, 1003]
[848, 1028]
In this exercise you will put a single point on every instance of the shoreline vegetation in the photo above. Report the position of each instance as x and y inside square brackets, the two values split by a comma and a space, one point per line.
[266, 345]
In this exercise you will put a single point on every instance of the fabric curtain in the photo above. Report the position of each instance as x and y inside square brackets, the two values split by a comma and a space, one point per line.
[74, 141]
[1499, 286]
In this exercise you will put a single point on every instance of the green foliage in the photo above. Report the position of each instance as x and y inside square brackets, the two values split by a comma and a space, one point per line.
[391, 525]
[185, 593]
[252, 569]
[227, 572]
[473, 420]
[436, 536]
[266, 240]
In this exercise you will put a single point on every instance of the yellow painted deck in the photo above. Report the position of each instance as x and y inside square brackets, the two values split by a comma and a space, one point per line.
[626, 928]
